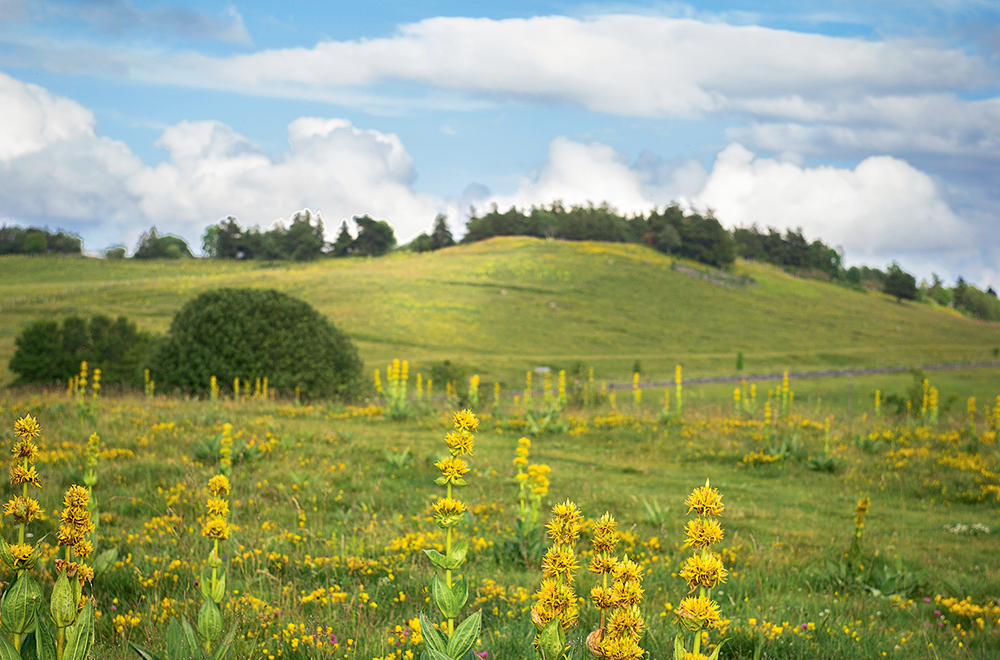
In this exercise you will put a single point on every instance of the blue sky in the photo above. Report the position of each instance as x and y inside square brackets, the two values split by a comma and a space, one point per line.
[872, 125]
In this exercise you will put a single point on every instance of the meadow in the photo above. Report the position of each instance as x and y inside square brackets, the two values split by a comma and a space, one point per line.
[502, 306]
[331, 513]
[322, 537]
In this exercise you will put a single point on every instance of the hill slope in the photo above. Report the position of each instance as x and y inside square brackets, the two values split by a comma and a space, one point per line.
[505, 305]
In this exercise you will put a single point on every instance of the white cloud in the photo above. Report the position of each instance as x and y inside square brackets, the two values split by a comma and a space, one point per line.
[882, 206]
[621, 64]
[577, 173]
[53, 166]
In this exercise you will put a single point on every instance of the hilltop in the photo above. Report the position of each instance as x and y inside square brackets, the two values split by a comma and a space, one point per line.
[508, 304]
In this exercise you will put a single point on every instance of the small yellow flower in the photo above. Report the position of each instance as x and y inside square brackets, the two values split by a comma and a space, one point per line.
[27, 428]
[627, 570]
[698, 613]
[702, 533]
[621, 648]
[603, 563]
[218, 506]
[460, 442]
[21, 475]
[559, 560]
[626, 622]
[452, 468]
[604, 534]
[448, 511]
[705, 571]
[25, 449]
[217, 528]
[76, 497]
[603, 597]
[23, 509]
[524, 442]
[23, 555]
[705, 501]
[219, 485]
[465, 420]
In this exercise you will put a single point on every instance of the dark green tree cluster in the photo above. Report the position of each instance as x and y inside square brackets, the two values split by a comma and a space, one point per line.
[49, 351]
[789, 250]
[975, 302]
[153, 246]
[693, 236]
[301, 240]
[440, 237]
[899, 283]
[255, 333]
[15, 240]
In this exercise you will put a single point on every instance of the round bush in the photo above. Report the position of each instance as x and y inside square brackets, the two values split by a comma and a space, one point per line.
[255, 333]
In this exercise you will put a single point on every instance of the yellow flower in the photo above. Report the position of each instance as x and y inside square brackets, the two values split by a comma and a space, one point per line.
[27, 428]
[448, 511]
[604, 534]
[524, 442]
[218, 506]
[23, 554]
[460, 442]
[25, 449]
[19, 475]
[628, 571]
[603, 597]
[705, 501]
[621, 648]
[521, 460]
[559, 560]
[216, 528]
[76, 497]
[603, 563]
[219, 485]
[702, 533]
[565, 524]
[24, 509]
[452, 468]
[628, 593]
[705, 571]
[698, 613]
[465, 420]
[626, 622]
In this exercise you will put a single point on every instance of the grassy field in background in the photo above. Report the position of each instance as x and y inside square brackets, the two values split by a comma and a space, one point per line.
[331, 508]
[502, 306]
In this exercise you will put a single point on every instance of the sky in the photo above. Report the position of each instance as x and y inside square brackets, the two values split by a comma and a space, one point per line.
[872, 125]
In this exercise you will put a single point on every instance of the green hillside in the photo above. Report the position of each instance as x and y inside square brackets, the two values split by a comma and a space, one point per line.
[505, 305]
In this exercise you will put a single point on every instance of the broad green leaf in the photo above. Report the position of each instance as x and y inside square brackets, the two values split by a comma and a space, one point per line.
[437, 559]
[222, 652]
[436, 655]
[551, 640]
[176, 643]
[679, 647]
[465, 636]
[80, 636]
[143, 653]
[45, 643]
[219, 592]
[206, 587]
[7, 650]
[17, 613]
[433, 639]
[459, 595]
[715, 653]
[444, 598]
[209, 621]
[458, 552]
[191, 638]
[62, 603]
[105, 561]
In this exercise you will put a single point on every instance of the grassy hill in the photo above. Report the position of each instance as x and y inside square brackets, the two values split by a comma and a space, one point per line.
[509, 304]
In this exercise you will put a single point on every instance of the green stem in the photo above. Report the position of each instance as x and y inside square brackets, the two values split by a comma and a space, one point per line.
[60, 643]
[447, 573]
[697, 635]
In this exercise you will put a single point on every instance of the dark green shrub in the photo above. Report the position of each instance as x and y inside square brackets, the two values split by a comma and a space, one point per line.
[255, 333]
[49, 351]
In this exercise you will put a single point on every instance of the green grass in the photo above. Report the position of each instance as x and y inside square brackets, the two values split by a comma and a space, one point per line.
[506, 305]
[328, 508]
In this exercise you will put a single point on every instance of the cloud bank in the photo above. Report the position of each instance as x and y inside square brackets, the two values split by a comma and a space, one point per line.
[55, 167]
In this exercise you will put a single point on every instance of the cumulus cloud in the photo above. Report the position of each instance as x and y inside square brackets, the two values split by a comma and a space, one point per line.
[578, 173]
[53, 165]
[883, 205]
